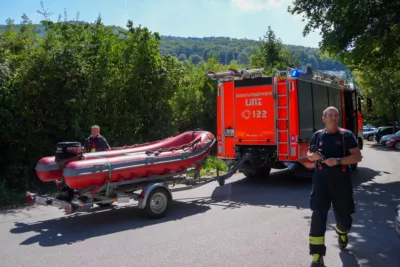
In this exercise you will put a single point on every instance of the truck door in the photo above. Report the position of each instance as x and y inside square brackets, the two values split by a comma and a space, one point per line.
[254, 112]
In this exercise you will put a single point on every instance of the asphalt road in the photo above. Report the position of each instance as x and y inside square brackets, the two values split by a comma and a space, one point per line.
[244, 223]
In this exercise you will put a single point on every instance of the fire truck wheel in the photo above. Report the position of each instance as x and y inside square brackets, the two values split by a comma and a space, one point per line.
[261, 173]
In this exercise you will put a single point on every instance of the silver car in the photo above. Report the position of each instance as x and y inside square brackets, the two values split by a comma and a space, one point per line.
[369, 135]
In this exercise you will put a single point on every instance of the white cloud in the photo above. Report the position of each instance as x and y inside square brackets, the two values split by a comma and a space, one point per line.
[255, 5]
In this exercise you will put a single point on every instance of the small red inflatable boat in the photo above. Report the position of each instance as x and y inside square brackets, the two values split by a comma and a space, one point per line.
[82, 170]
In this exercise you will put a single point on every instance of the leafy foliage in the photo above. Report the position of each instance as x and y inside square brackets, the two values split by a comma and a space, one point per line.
[384, 89]
[359, 31]
[364, 35]
[226, 50]
[272, 55]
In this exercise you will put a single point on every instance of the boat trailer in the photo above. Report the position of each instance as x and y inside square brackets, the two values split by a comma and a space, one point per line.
[155, 196]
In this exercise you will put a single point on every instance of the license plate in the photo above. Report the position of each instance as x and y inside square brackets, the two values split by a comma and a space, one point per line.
[41, 200]
[57, 203]
[123, 199]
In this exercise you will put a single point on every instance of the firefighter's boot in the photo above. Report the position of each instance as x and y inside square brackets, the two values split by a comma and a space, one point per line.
[317, 261]
[343, 241]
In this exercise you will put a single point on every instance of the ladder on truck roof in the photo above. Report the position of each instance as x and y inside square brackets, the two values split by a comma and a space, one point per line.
[282, 118]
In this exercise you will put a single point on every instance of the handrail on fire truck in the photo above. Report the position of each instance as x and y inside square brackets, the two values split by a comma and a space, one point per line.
[233, 74]
[320, 76]
[309, 74]
[306, 73]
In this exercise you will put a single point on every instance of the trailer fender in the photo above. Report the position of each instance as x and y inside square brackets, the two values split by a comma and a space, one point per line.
[142, 200]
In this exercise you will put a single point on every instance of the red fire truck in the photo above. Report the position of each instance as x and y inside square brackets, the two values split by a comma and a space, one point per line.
[272, 118]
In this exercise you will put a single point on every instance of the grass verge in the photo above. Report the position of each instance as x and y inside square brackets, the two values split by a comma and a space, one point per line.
[210, 166]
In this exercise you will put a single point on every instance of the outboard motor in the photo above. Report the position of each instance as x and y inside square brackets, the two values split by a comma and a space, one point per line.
[65, 153]
[68, 151]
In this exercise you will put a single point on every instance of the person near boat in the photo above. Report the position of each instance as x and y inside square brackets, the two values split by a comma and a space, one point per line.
[96, 142]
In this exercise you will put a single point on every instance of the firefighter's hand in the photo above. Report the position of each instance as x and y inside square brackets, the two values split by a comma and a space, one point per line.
[314, 156]
[330, 162]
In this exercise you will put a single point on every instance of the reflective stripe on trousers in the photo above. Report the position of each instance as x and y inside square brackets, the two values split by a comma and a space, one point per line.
[317, 240]
[339, 232]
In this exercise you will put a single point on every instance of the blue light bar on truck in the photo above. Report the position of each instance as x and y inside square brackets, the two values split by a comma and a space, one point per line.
[296, 73]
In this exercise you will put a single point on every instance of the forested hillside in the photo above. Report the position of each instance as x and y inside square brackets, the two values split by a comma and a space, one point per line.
[225, 49]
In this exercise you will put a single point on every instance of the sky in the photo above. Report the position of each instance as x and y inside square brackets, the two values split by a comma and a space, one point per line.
[186, 18]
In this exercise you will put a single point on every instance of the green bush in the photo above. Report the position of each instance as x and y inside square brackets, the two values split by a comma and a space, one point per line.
[211, 164]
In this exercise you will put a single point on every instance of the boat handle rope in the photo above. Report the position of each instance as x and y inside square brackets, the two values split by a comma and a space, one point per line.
[174, 148]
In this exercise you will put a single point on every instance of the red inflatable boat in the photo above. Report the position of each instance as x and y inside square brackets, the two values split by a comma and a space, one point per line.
[82, 170]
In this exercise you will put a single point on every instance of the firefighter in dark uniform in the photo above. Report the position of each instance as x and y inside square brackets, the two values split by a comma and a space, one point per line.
[331, 183]
[96, 142]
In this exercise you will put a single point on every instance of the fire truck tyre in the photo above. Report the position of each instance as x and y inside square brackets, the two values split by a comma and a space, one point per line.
[261, 173]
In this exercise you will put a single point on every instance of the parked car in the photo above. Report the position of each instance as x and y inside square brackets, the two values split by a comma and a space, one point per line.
[368, 128]
[387, 137]
[394, 142]
[384, 130]
[369, 135]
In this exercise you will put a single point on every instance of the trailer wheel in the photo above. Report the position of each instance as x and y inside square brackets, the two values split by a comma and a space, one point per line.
[158, 203]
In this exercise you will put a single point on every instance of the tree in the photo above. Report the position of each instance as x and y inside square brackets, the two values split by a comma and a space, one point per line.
[356, 31]
[270, 54]
[383, 87]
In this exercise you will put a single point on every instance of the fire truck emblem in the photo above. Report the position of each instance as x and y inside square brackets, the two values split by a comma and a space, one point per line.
[246, 114]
